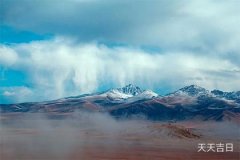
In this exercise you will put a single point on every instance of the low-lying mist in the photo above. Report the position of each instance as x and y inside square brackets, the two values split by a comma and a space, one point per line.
[39, 136]
[36, 136]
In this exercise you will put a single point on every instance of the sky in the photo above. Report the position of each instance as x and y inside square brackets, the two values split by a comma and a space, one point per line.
[51, 49]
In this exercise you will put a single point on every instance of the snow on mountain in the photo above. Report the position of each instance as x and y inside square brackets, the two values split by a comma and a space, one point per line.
[187, 95]
[192, 90]
[193, 94]
[147, 94]
[130, 90]
[227, 95]
[186, 103]
[122, 93]
[116, 94]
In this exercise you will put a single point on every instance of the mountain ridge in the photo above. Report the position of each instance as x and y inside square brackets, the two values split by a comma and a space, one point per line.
[188, 103]
[131, 90]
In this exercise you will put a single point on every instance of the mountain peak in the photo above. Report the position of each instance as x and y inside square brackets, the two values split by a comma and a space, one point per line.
[217, 92]
[130, 89]
[192, 87]
[227, 95]
[192, 90]
[126, 92]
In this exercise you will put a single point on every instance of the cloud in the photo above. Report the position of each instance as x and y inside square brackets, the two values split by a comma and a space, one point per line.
[197, 43]
[16, 94]
[8, 56]
[210, 26]
[8, 93]
[63, 66]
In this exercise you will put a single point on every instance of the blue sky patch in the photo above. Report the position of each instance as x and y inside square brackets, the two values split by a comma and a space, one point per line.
[9, 35]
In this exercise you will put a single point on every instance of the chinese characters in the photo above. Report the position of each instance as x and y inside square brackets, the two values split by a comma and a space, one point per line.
[215, 147]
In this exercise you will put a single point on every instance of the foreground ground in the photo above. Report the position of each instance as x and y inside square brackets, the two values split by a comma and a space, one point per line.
[98, 136]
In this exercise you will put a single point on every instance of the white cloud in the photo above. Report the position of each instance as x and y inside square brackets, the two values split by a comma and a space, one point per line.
[7, 56]
[8, 93]
[62, 67]
[16, 94]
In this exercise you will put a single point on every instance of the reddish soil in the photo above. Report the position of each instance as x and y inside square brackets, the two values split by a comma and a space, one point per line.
[148, 141]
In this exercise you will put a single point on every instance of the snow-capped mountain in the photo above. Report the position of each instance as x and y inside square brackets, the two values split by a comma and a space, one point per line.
[186, 103]
[116, 94]
[192, 90]
[226, 95]
[147, 94]
[129, 91]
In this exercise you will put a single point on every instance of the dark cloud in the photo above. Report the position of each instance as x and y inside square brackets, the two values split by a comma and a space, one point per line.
[88, 19]
[201, 25]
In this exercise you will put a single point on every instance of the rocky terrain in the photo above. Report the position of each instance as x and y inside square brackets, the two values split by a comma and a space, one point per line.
[190, 102]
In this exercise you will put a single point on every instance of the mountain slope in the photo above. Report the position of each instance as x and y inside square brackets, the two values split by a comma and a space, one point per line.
[191, 102]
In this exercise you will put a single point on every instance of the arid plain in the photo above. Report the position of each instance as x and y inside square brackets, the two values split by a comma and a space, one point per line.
[92, 136]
